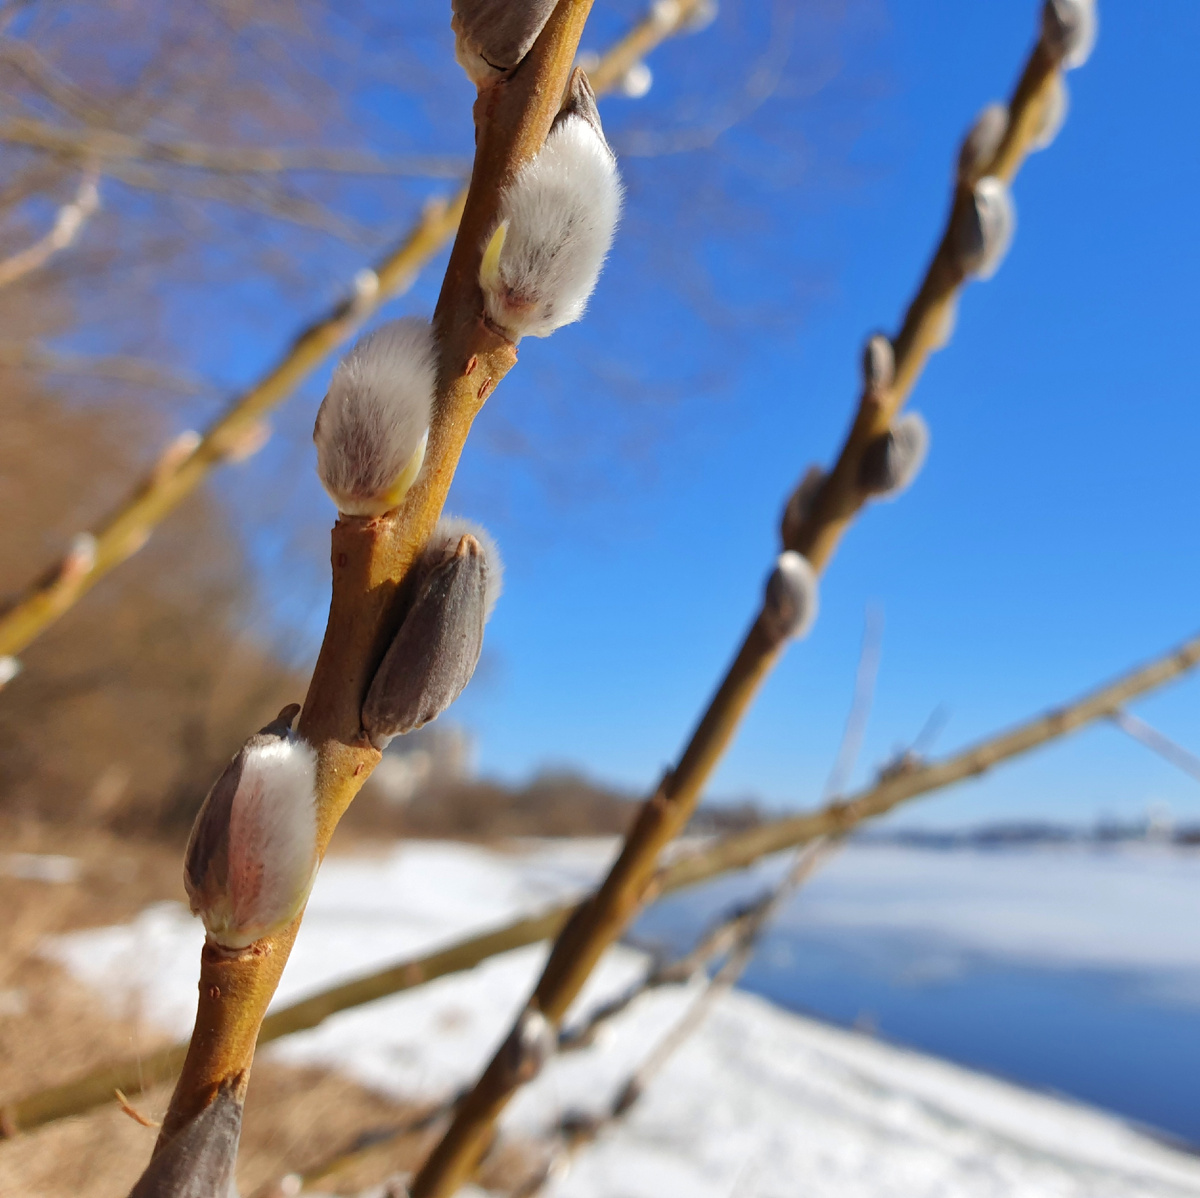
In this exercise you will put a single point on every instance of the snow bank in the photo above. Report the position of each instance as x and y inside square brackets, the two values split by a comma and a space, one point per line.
[758, 1102]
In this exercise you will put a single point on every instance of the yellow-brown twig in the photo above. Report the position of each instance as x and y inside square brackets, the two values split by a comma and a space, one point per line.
[130, 526]
[735, 851]
[600, 919]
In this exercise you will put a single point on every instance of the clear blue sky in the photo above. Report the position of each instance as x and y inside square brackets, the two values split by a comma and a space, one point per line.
[1053, 538]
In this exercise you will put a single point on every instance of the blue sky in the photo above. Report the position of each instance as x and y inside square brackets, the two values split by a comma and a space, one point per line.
[1052, 539]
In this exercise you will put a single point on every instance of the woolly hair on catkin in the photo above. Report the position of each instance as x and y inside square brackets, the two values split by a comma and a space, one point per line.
[372, 425]
[878, 364]
[556, 224]
[983, 228]
[252, 854]
[491, 37]
[1069, 30]
[891, 463]
[790, 599]
[436, 649]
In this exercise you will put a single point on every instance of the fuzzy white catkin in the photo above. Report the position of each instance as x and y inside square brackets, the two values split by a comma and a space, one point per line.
[371, 427]
[984, 227]
[252, 855]
[1069, 29]
[557, 220]
[790, 601]
[891, 464]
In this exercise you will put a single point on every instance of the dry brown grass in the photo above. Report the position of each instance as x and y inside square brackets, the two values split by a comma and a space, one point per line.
[52, 1027]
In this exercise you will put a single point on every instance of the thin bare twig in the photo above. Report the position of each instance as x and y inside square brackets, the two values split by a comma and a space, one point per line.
[107, 146]
[860, 706]
[1156, 742]
[68, 222]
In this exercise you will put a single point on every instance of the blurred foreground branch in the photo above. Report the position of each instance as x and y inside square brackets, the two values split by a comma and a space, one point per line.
[127, 529]
[372, 555]
[736, 851]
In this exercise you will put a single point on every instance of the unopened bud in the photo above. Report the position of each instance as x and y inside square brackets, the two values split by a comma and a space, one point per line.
[981, 143]
[491, 37]
[10, 667]
[790, 600]
[372, 425]
[701, 14]
[665, 14]
[1069, 30]
[252, 854]
[983, 228]
[200, 1160]
[799, 505]
[80, 558]
[878, 364]
[636, 82]
[175, 454]
[891, 462]
[557, 220]
[529, 1046]
[248, 441]
[366, 285]
[1054, 111]
[436, 649]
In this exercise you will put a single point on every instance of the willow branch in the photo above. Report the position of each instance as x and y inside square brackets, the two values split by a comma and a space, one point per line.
[601, 918]
[68, 223]
[107, 145]
[574, 1130]
[128, 528]
[736, 851]
[371, 558]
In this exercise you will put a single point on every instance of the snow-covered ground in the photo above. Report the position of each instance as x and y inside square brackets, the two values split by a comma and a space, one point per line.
[759, 1103]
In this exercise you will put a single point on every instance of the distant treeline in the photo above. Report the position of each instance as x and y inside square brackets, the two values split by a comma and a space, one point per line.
[559, 803]
[1029, 832]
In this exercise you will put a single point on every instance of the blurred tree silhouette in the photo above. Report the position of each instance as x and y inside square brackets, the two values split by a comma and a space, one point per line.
[130, 705]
